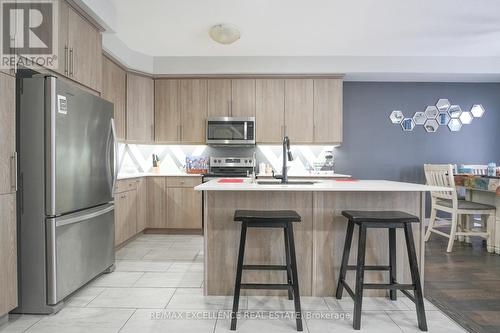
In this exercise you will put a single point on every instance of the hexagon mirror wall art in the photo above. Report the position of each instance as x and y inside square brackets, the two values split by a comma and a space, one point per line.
[455, 111]
[477, 110]
[442, 114]
[431, 125]
[431, 112]
[408, 124]
[443, 118]
[443, 104]
[396, 117]
[419, 118]
[466, 118]
[455, 125]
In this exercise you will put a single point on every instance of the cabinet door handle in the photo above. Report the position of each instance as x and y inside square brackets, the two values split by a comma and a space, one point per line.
[66, 60]
[282, 132]
[71, 60]
[181, 127]
[13, 172]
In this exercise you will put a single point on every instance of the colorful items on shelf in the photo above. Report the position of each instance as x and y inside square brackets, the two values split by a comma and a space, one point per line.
[478, 183]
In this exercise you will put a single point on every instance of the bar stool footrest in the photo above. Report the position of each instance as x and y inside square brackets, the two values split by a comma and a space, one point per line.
[370, 268]
[389, 286]
[277, 286]
[265, 267]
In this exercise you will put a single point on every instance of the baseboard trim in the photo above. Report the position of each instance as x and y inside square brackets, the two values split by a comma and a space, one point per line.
[169, 231]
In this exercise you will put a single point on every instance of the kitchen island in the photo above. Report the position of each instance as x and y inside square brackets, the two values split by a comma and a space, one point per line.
[319, 237]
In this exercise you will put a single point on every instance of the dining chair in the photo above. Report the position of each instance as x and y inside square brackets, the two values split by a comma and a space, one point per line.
[448, 201]
[477, 169]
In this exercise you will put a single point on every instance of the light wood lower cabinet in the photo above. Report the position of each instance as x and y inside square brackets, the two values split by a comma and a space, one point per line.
[8, 253]
[7, 133]
[142, 203]
[156, 202]
[125, 216]
[173, 203]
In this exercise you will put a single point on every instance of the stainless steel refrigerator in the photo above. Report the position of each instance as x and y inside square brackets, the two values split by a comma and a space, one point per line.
[67, 172]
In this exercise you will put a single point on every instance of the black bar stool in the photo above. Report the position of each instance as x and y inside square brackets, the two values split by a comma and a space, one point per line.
[381, 219]
[268, 219]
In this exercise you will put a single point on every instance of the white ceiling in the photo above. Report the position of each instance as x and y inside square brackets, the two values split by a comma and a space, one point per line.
[451, 28]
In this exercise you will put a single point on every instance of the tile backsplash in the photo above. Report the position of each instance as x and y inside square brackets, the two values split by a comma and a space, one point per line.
[134, 158]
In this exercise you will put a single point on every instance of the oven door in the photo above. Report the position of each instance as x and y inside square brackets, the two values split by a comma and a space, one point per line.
[231, 131]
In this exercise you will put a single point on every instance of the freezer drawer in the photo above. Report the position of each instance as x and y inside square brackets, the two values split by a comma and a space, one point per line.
[79, 247]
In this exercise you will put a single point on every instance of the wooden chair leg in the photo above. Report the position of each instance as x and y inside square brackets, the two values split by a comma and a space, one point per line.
[490, 227]
[345, 259]
[239, 270]
[288, 266]
[461, 227]
[432, 220]
[454, 222]
[360, 273]
[415, 276]
[295, 277]
[392, 261]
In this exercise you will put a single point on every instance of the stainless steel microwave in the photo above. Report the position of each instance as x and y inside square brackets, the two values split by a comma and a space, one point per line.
[231, 131]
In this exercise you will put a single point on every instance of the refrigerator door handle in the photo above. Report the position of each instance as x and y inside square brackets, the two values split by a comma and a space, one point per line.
[60, 221]
[115, 157]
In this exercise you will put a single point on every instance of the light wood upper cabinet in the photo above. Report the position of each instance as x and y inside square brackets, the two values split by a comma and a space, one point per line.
[193, 108]
[299, 107]
[84, 51]
[184, 208]
[328, 110]
[157, 206]
[167, 114]
[140, 112]
[219, 98]
[114, 89]
[270, 110]
[7, 134]
[8, 253]
[243, 98]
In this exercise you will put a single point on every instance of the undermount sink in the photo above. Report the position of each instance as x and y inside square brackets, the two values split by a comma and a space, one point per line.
[290, 182]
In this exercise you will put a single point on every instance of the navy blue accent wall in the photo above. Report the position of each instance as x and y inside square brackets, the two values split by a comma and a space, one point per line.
[374, 148]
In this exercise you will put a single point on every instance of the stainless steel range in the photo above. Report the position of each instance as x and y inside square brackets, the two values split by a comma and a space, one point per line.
[225, 167]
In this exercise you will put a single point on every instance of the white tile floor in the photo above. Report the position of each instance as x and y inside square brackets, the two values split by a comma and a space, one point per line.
[158, 276]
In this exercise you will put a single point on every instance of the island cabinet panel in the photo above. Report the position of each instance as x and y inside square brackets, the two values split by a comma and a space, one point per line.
[193, 108]
[329, 235]
[140, 110]
[114, 89]
[328, 110]
[264, 246]
[299, 107]
[270, 110]
[243, 98]
[8, 254]
[157, 205]
[167, 114]
[219, 98]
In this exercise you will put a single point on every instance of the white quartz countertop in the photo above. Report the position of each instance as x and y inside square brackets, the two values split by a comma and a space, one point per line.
[152, 174]
[321, 186]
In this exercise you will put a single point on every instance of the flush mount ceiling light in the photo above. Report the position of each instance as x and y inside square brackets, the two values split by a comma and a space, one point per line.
[224, 33]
